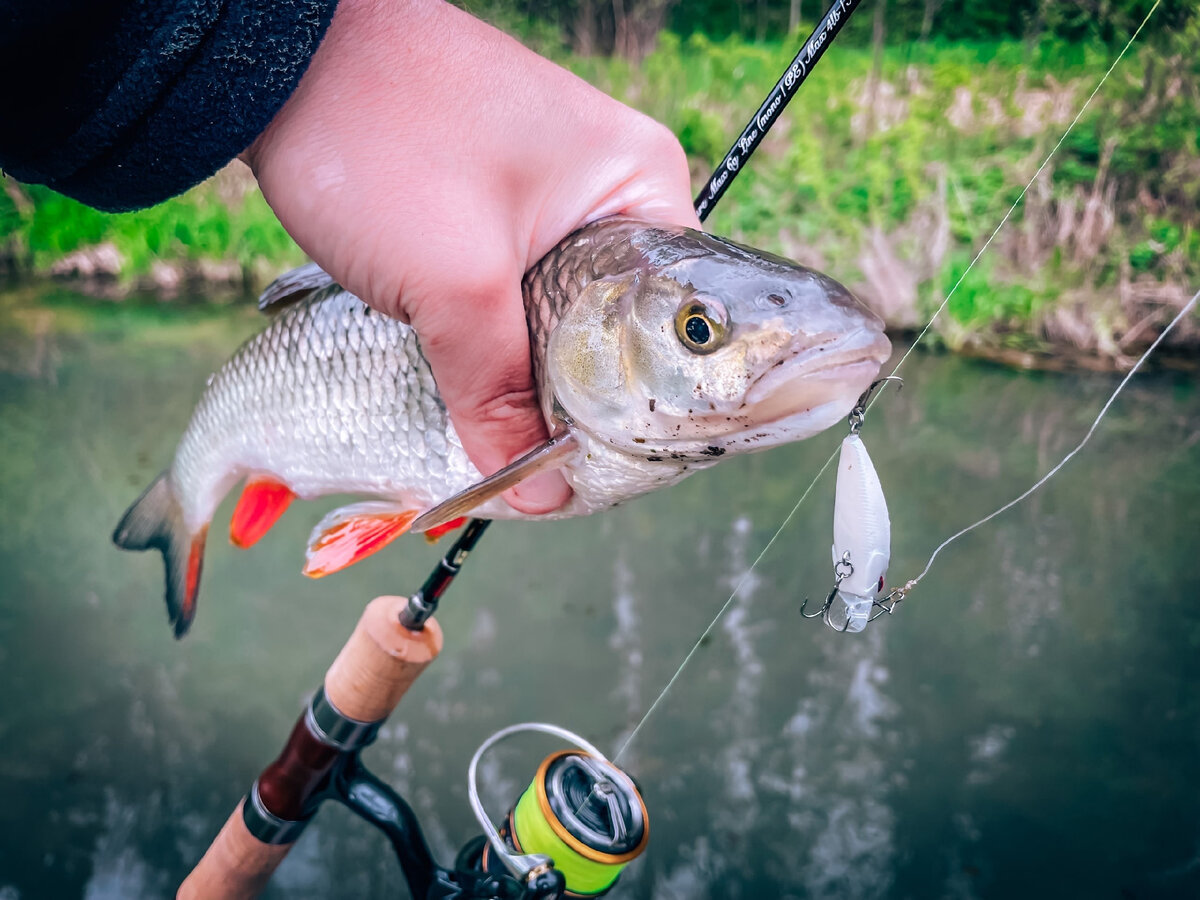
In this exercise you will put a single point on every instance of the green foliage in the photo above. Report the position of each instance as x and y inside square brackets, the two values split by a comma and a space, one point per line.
[981, 299]
[943, 143]
[701, 133]
[562, 22]
[198, 225]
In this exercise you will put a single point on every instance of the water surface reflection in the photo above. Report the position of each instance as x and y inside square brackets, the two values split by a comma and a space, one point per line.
[1027, 725]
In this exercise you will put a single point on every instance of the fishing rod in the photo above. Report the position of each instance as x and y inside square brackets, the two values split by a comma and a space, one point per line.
[581, 820]
[785, 88]
[797, 72]
[570, 833]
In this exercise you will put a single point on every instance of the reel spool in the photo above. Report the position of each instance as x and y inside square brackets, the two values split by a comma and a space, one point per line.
[581, 815]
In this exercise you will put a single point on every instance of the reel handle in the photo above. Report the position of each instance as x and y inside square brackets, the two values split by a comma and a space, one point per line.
[370, 675]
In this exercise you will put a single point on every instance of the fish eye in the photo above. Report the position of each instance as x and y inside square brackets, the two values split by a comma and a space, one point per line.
[700, 326]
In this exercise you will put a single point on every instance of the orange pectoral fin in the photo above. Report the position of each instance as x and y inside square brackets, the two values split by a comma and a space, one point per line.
[439, 531]
[353, 533]
[262, 502]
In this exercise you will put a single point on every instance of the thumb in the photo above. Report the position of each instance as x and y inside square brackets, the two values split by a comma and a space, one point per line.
[477, 343]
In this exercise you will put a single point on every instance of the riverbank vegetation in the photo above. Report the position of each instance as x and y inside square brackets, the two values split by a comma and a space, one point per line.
[889, 171]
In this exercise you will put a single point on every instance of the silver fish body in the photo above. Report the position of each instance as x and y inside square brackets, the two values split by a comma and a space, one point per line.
[656, 352]
[333, 397]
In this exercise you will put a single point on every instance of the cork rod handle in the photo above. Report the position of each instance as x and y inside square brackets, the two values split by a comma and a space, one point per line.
[371, 674]
[380, 661]
[236, 866]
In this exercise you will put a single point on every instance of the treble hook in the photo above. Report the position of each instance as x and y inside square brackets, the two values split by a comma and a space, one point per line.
[824, 606]
[842, 570]
[886, 604]
[859, 413]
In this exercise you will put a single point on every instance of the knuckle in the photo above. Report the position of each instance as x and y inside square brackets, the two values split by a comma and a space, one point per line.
[662, 143]
[660, 155]
[510, 421]
[514, 406]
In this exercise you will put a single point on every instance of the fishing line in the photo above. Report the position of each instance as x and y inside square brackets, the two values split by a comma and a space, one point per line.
[711, 625]
[924, 331]
[1025, 190]
[1066, 459]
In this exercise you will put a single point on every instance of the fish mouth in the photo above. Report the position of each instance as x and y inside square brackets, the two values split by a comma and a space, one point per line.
[827, 376]
[802, 394]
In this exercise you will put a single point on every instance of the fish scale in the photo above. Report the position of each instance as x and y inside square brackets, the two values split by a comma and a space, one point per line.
[340, 451]
[334, 398]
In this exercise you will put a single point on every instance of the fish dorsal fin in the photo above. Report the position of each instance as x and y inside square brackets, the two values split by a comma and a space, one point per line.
[550, 455]
[292, 286]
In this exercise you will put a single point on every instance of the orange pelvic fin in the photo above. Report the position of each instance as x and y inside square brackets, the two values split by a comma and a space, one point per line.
[438, 531]
[352, 533]
[262, 502]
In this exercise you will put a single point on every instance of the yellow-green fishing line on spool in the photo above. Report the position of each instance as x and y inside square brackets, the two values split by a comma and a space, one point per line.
[535, 834]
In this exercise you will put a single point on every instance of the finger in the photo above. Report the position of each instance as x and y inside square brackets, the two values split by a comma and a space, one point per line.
[662, 194]
[478, 348]
[648, 179]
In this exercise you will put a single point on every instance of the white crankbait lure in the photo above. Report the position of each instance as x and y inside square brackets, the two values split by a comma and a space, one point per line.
[862, 538]
[862, 534]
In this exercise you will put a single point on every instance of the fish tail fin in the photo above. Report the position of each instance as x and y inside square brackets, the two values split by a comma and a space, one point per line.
[155, 521]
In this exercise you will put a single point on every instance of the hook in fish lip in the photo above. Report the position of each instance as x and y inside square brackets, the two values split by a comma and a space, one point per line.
[875, 386]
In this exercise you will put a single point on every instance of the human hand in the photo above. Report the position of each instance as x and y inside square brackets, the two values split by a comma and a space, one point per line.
[426, 160]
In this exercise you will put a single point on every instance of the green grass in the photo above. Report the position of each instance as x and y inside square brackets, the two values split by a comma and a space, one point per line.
[43, 227]
[954, 135]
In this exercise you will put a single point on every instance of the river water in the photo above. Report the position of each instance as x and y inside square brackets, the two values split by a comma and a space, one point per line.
[1026, 725]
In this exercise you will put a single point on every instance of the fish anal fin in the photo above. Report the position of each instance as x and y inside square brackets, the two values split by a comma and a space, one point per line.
[439, 531]
[549, 455]
[262, 502]
[352, 533]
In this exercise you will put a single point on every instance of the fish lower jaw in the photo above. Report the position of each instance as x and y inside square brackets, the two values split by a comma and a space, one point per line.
[603, 475]
[852, 362]
[827, 399]
[808, 403]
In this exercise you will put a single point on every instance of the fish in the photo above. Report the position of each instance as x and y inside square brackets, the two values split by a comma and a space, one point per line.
[657, 351]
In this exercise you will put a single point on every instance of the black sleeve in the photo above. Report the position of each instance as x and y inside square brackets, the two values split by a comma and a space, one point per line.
[124, 103]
